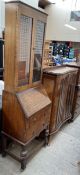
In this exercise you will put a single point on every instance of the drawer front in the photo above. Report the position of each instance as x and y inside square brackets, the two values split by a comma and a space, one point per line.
[38, 123]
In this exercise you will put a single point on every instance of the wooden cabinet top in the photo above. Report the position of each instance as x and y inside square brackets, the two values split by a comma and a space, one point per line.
[25, 4]
[59, 70]
[74, 64]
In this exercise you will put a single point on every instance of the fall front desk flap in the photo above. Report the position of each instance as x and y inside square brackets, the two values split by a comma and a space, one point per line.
[33, 100]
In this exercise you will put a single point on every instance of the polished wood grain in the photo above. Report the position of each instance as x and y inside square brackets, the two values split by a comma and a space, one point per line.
[10, 47]
[15, 122]
[76, 101]
[60, 85]
[76, 105]
[30, 104]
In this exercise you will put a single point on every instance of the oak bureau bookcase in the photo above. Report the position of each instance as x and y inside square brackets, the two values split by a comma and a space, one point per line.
[26, 106]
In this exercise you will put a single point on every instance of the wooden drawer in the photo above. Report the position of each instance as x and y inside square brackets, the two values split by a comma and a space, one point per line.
[38, 122]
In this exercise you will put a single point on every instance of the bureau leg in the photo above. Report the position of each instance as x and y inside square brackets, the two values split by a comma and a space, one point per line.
[4, 145]
[23, 157]
[49, 140]
[46, 136]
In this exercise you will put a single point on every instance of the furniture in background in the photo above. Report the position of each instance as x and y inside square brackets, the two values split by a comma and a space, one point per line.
[60, 52]
[76, 101]
[48, 52]
[59, 83]
[1, 58]
[26, 106]
[0, 119]
[1, 91]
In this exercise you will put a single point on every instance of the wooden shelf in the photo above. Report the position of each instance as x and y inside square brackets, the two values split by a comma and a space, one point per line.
[47, 53]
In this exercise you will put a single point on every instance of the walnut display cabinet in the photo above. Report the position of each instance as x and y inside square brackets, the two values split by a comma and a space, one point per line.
[26, 106]
[59, 83]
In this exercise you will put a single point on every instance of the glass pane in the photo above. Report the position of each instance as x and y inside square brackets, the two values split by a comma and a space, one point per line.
[38, 51]
[25, 49]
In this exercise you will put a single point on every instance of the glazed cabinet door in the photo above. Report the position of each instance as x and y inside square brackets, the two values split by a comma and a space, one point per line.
[38, 50]
[24, 57]
[24, 36]
[30, 50]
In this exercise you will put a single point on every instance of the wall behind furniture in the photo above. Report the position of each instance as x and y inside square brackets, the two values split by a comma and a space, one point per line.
[33, 3]
[2, 16]
[58, 15]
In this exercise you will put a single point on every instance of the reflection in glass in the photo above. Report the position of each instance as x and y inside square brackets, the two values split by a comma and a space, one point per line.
[24, 51]
[38, 51]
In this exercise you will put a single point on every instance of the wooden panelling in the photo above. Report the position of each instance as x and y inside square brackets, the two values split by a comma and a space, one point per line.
[13, 119]
[60, 86]
[10, 46]
[31, 12]
[76, 104]
[15, 122]
[76, 100]
[33, 100]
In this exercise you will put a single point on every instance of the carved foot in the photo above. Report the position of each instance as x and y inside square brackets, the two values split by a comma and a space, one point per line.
[23, 164]
[46, 136]
[70, 120]
[23, 157]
